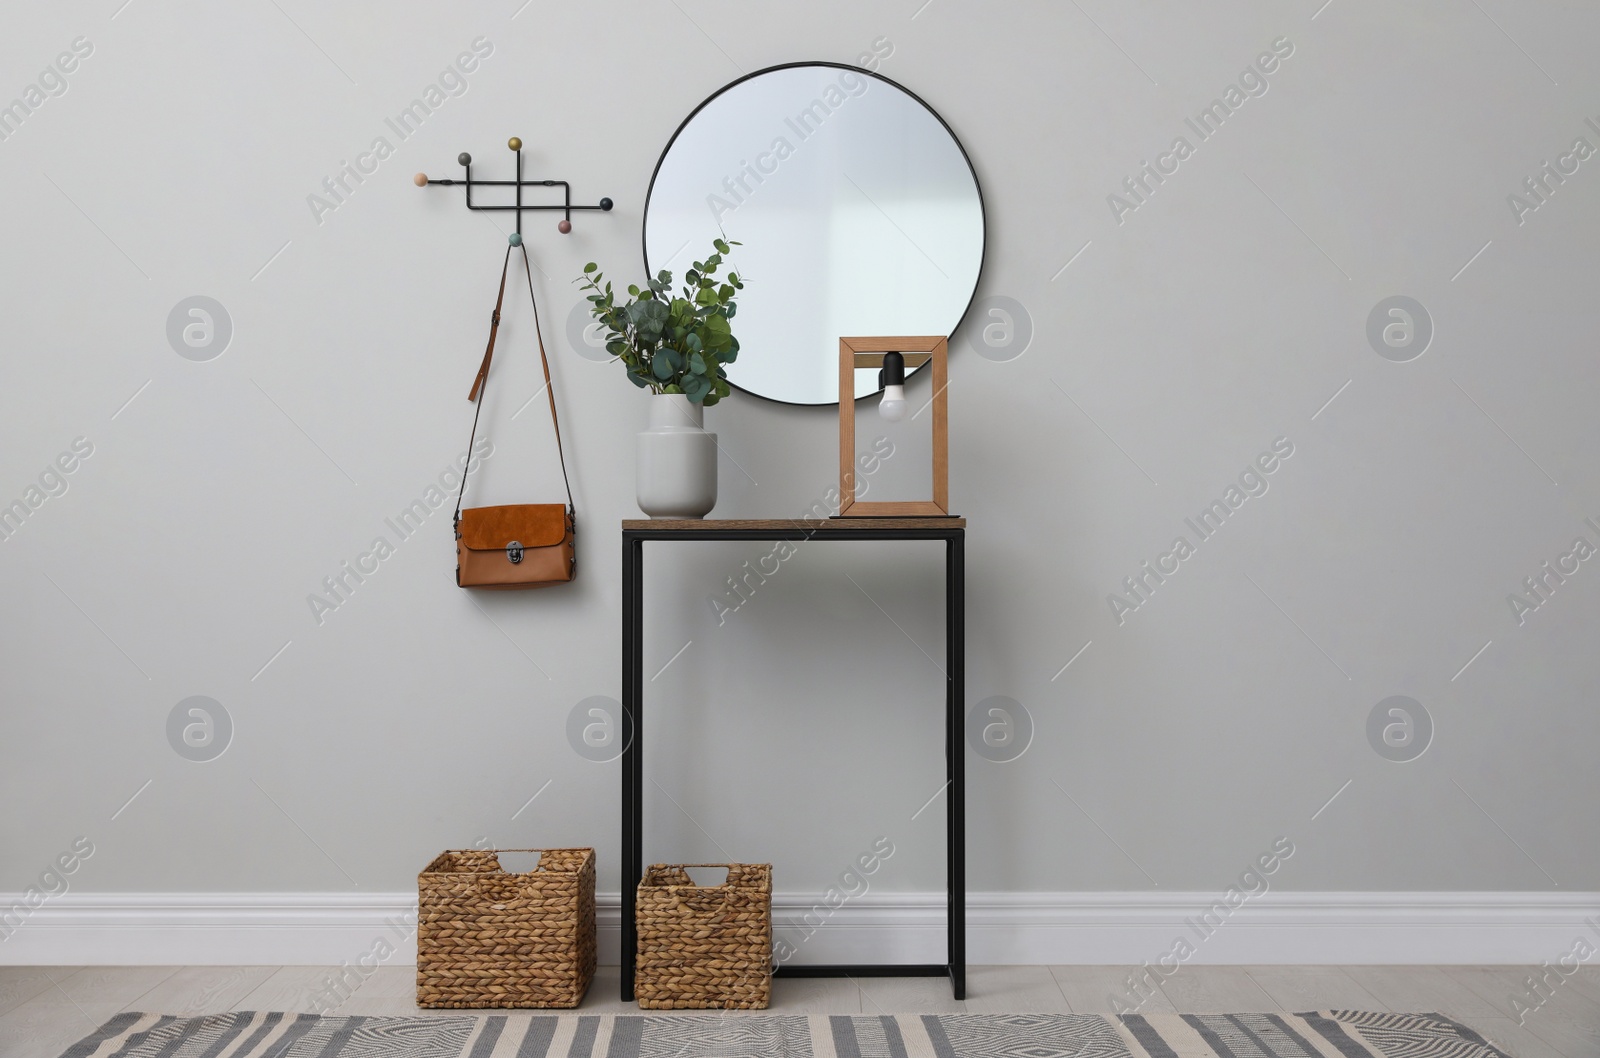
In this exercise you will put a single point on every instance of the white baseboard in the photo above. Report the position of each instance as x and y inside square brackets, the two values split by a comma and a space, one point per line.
[1020, 928]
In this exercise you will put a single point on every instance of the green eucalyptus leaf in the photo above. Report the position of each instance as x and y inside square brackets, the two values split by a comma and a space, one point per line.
[648, 312]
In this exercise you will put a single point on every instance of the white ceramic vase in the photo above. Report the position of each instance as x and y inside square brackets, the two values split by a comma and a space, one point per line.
[676, 462]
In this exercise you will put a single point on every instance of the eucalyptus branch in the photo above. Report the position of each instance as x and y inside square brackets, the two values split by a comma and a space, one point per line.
[672, 344]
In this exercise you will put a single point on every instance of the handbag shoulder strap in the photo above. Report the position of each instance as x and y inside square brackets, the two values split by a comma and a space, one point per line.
[482, 378]
[549, 386]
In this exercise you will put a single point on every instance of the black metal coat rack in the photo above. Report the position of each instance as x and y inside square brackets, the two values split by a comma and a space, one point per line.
[515, 144]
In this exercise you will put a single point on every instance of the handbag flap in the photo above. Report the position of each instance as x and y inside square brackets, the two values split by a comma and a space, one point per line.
[529, 524]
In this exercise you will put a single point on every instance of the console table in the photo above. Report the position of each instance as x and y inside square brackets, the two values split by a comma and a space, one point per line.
[953, 532]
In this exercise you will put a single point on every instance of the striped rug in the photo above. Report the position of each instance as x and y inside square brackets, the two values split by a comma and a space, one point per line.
[1322, 1034]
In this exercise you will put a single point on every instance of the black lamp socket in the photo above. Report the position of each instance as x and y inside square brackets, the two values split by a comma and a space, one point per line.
[893, 371]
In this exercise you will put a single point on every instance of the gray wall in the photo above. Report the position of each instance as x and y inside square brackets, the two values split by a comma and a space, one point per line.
[1188, 336]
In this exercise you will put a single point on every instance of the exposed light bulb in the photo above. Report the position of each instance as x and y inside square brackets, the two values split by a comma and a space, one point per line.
[893, 405]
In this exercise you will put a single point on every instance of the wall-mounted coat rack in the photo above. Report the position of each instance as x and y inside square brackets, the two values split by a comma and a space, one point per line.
[515, 143]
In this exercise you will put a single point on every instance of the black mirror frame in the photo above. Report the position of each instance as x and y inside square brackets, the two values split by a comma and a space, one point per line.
[983, 249]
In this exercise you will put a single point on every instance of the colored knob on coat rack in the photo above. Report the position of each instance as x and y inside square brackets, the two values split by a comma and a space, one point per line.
[421, 179]
[515, 143]
[564, 227]
[605, 204]
[516, 238]
[464, 158]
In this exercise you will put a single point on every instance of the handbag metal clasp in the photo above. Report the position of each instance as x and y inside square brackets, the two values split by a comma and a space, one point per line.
[514, 552]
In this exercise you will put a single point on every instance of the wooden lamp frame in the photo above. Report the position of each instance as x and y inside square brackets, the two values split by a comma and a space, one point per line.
[868, 352]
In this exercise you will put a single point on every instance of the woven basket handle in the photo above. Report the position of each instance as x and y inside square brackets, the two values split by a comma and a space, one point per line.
[702, 897]
[538, 865]
[725, 882]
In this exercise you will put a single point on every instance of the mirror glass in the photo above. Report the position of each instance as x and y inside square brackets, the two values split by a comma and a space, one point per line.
[858, 212]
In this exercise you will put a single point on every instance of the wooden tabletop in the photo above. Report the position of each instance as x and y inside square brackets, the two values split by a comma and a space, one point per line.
[809, 524]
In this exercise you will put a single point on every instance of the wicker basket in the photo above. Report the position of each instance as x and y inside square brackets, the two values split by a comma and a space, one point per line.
[487, 938]
[705, 947]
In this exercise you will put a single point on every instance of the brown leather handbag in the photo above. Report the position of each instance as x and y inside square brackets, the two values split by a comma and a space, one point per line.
[523, 545]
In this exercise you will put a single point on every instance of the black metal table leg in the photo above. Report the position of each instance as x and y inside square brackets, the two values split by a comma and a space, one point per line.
[632, 749]
[956, 758]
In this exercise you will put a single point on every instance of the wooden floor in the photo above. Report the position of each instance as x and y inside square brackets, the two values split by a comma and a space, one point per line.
[45, 1009]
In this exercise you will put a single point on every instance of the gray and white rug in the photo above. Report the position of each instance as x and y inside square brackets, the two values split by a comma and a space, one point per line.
[1322, 1034]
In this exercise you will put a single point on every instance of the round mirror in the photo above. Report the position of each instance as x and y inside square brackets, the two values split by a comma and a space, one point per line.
[857, 210]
